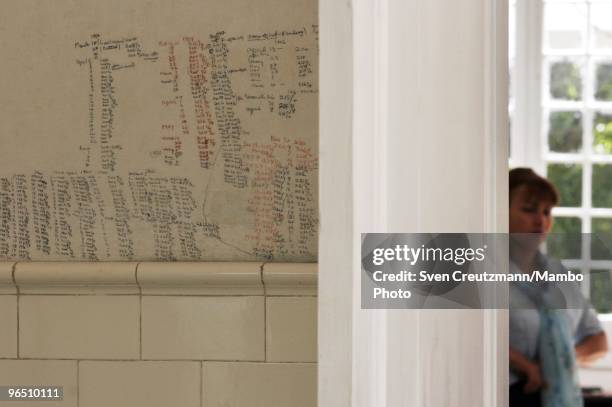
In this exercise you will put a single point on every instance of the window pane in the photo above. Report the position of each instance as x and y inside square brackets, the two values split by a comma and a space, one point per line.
[602, 186]
[568, 180]
[565, 81]
[564, 25]
[565, 241]
[565, 132]
[601, 239]
[603, 86]
[602, 25]
[601, 290]
[602, 133]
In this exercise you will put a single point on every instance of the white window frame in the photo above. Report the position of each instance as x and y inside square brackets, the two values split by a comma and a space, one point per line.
[532, 104]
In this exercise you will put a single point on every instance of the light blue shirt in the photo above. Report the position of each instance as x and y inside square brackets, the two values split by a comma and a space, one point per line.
[525, 319]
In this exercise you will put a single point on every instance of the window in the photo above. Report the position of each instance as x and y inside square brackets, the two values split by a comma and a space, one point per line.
[561, 114]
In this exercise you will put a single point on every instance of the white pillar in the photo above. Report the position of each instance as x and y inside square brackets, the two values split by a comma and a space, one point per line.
[413, 123]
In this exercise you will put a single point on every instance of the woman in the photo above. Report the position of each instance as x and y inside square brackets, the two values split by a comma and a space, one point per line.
[547, 339]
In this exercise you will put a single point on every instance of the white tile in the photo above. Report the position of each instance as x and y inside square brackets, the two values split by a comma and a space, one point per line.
[79, 327]
[212, 328]
[259, 384]
[139, 384]
[291, 329]
[41, 372]
[8, 326]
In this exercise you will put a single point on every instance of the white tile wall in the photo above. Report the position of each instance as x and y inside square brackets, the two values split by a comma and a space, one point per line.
[259, 384]
[211, 328]
[132, 384]
[41, 372]
[291, 329]
[8, 326]
[233, 349]
[79, 327]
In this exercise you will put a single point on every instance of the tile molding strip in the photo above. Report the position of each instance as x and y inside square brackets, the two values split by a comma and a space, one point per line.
[159, 278]
[290, 278]
[7, 284]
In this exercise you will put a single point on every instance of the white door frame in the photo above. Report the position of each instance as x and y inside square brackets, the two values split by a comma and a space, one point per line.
[413, 138]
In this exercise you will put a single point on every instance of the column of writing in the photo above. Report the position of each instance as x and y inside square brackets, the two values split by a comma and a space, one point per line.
[228, 124]
[41, 215]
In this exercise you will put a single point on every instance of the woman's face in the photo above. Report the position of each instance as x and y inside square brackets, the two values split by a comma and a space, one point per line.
[529, 214]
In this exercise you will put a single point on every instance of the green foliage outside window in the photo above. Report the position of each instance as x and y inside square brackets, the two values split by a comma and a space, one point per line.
[568, 180]
[601, 239]
[603, 85]
[565, 81]
[602, 186]
[602, 133]
[565, 132]
[565, 241]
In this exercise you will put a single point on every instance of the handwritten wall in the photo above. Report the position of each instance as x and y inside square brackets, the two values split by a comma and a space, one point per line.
[183, 130]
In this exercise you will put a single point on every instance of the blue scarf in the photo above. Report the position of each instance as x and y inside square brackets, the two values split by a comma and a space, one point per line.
[556, 348]
[558, 361]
